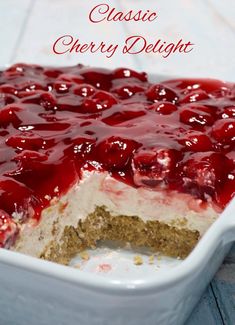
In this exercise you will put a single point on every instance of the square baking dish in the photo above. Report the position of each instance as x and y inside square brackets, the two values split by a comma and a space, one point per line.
[38, 292]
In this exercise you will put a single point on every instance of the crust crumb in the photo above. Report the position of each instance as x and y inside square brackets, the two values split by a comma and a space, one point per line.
[151, 259]
[102, 225]
[84, 256]
[138, 260]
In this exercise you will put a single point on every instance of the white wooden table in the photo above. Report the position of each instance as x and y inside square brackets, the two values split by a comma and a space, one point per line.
[28, 29]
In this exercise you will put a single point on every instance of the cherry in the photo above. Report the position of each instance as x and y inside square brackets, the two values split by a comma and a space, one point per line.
[100, 78]
[84, 90]
[14, 196]
[28, 163]
[195, 96]
[8, 115]
[52, 73]
[8, 89]
[128, 91]
[22, 68]
[231, 93]
[227, 190]
[100, 101]
[48, 101]
[6, 99]
[224, 131]
[196, 115]
[82, 148]
[205, 171]
[210, 86]
[164, 108]
[62, 87]
[196, 141]
[228, 112]
[28, 157]
[29, 141]
[16, 70]
[30, 87]
[160, 92]
[44, 99]
[128, 73]
[152, 166]
[115, 152]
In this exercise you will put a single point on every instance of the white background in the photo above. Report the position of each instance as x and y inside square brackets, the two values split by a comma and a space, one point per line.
[28, 29]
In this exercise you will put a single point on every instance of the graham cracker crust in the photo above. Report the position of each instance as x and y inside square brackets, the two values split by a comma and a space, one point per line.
[101, 225]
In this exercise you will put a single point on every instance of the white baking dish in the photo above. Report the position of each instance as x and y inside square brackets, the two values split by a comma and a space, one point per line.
[38, 292]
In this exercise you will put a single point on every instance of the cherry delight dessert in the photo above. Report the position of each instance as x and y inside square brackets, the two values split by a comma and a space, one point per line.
[90, 154]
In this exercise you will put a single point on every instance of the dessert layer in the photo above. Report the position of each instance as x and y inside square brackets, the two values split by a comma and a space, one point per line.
[169, 222]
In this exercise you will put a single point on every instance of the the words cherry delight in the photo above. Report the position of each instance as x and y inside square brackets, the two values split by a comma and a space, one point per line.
[133, 44]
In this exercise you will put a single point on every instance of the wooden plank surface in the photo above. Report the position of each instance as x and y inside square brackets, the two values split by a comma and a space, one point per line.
[223, 286]
[52, 19]
[206, 312]
[210, 25]
[28, 28]
[13, 16]
[217, 306]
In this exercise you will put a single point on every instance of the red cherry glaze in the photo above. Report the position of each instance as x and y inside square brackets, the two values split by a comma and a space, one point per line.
[54, 122]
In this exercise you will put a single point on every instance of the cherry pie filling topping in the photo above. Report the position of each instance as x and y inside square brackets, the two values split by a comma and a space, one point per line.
[55, 122]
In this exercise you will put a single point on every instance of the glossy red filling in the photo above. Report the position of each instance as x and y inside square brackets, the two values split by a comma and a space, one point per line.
[175, 135]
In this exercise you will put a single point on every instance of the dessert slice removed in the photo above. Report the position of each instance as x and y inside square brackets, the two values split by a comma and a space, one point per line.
[90, 154]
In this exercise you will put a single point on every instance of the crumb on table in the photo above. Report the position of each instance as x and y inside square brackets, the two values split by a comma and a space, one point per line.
[84, 256]
[138, 260]
[151, 259]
